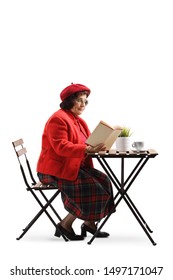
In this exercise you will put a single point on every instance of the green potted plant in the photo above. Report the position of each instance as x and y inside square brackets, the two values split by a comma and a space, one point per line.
[123, 141]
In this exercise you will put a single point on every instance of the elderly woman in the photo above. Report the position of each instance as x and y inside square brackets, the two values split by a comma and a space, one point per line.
[64, 162]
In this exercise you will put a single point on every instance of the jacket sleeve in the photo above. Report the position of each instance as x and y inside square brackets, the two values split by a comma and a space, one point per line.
[64, 138]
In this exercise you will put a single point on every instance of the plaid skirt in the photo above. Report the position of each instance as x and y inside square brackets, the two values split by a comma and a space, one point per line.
[89, 197]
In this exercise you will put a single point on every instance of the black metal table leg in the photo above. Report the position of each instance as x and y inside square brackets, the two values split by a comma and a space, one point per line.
[132, 176]
[122, 191]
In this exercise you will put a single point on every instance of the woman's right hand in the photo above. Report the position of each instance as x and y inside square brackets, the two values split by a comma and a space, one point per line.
[96, 149]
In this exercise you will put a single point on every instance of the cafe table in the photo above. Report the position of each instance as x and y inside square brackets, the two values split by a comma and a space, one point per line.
[123, 184]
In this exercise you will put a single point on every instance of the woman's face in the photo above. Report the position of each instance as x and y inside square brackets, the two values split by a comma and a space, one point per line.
[79, 104]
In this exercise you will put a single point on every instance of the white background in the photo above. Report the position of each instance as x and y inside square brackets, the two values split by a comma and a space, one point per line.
[122, 50]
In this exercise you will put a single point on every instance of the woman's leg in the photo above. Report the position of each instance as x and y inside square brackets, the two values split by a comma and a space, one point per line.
[91, 224]
[65, 227]
[68, 221]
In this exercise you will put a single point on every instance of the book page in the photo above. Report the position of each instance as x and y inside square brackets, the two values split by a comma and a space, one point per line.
[106, 124]
[103, 133]
[112, 138]
[99, 134]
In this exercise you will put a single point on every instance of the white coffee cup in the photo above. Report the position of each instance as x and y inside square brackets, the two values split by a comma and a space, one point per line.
[138, 145]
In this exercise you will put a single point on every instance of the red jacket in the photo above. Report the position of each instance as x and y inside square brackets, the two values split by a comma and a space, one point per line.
[62, 148]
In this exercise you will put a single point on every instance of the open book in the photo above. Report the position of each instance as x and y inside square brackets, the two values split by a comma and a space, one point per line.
[104, 133]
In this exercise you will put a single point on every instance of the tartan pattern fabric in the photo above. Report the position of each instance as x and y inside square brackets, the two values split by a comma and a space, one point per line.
[89, 197]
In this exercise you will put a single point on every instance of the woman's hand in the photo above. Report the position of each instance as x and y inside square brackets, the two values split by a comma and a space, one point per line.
[96, 149]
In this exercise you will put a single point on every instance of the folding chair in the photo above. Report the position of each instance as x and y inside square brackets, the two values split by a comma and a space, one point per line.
[35, 188]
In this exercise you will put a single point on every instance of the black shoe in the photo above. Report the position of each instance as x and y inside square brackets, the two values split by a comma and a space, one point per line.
[69, 234]
[85, 228]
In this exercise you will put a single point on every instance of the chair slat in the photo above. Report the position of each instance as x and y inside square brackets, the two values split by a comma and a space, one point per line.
[21, 152]
[18, 142]
[41, 186]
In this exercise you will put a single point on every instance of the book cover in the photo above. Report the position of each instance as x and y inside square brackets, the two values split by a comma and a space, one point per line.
[104, 133]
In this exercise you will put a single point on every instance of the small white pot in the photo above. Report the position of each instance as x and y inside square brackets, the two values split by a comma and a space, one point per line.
[123, 144]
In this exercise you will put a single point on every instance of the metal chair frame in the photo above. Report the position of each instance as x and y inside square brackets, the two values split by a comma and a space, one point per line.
[34, 188]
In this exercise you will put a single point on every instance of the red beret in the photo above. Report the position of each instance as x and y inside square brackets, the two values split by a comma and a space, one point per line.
[73, 88]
